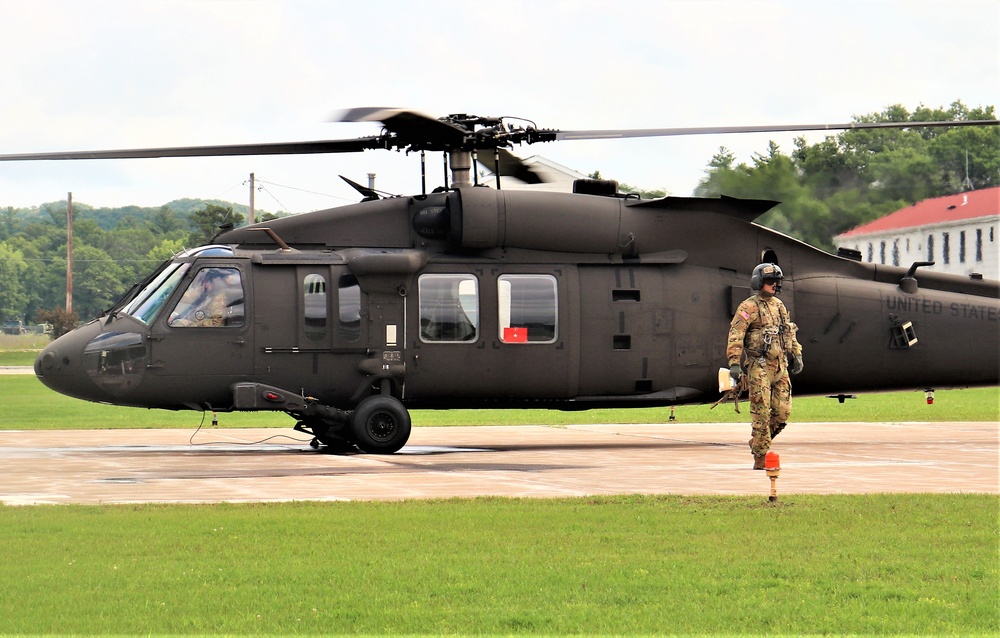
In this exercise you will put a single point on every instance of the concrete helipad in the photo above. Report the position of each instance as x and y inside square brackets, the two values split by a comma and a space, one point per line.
[127, 466]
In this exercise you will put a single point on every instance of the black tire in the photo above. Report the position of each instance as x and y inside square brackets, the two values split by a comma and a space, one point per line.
[381, 425]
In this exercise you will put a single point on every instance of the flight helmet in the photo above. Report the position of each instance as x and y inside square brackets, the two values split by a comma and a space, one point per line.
[766, 272]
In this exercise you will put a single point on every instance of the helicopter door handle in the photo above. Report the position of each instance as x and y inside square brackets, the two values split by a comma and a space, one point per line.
[239, 342]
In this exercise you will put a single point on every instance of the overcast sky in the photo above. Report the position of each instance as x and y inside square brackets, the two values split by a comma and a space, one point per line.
[101, 74]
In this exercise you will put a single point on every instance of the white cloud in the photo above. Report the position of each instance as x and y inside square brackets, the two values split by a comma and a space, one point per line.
[110, 74]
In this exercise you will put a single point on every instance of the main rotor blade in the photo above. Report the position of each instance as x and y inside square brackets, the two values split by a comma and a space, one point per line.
[721, 130]
[274, 148]
[410, 127]
[511, 165]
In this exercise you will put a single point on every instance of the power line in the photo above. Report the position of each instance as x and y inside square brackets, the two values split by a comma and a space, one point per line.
[303, 190]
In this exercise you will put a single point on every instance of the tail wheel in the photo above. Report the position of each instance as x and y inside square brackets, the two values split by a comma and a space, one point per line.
[381, 425]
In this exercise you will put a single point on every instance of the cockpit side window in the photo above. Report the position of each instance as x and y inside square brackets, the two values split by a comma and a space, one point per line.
[214, 299]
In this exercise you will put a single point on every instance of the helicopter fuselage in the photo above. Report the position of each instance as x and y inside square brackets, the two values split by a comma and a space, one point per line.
[484, 298]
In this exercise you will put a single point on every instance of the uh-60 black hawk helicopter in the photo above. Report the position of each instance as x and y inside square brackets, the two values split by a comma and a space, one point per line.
[473, 296]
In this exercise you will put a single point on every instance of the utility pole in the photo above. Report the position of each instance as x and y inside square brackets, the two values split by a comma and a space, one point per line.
[251, 199]
[69, 252]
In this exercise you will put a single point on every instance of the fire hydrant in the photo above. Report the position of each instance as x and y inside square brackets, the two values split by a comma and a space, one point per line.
[772, 466]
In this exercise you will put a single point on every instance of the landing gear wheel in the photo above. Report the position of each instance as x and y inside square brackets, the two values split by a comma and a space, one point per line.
[381, 425]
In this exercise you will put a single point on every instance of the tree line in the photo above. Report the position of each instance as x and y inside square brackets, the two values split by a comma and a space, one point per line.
[112, 249]
[860, 175]
[825, 188]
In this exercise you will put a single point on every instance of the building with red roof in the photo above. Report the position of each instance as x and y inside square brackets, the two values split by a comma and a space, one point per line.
[957, 232]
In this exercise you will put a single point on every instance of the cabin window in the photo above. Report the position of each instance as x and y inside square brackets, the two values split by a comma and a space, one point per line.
[314, 315]
[349, 301]
[214, 299]
[449, 308]
[528, 308]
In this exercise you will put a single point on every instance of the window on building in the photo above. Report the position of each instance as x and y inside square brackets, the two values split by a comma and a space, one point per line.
[871, 253]
[961, 247]
[930, 247]
[527, 308]
[895, 252]
[945, 248]
[979, 244]
[881, 252]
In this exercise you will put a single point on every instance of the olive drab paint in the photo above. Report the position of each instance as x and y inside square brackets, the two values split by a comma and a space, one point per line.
[472, 296]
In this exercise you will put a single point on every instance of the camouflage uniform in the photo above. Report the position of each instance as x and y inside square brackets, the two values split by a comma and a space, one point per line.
[762, 331]
[214, 314]
[210, 313]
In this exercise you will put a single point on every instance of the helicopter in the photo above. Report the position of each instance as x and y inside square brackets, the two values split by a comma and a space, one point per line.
[475, 296]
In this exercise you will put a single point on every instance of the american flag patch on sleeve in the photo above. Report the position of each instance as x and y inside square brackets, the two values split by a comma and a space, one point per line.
[745, 315]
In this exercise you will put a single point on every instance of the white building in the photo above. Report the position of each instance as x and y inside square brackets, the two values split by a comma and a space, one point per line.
[957, 232]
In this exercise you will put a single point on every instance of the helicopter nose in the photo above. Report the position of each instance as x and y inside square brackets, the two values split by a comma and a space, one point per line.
[72, 364]
[60, 364]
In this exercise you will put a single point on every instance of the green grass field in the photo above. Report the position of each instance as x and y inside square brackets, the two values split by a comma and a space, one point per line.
[924, 565]
[639, 565]
[38, 408]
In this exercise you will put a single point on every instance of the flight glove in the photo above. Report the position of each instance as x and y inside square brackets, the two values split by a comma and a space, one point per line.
[796, 364]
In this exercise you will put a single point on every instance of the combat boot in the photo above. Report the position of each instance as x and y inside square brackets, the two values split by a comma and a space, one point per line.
[758, 462]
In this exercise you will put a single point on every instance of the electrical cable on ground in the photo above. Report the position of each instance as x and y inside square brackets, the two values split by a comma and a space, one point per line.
[215, 422]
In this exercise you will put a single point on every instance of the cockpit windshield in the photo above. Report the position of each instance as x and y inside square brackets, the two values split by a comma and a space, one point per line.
[146, 304]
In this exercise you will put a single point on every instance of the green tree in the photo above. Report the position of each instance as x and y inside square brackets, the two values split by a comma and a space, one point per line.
[861, 174]
[13, 299]
[163, 251]
[97, 281]
[206, 222]
[10, 222]
[165, 221]
[60, 320]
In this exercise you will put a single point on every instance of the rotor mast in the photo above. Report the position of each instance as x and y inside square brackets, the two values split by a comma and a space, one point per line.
[461, 168]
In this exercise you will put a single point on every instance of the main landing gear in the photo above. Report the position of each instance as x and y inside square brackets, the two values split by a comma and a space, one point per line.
[379, 425]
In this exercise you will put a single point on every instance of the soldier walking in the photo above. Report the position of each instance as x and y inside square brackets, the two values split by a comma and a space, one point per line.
[761, 343]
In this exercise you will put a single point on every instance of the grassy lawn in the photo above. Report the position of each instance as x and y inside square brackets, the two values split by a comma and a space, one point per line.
[923, 565]
[636, 565]
[37, 407]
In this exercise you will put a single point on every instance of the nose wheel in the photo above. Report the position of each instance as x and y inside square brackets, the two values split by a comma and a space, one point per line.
[381, 425]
